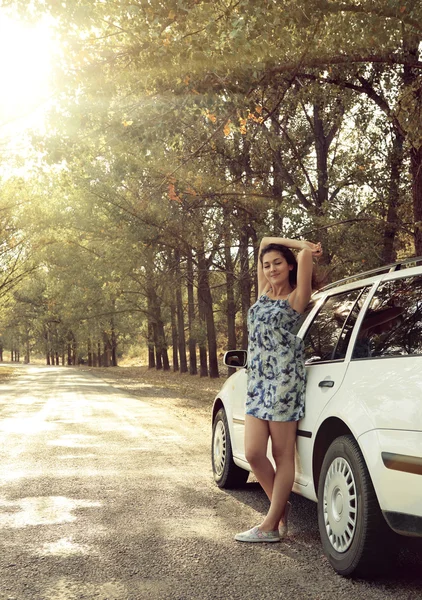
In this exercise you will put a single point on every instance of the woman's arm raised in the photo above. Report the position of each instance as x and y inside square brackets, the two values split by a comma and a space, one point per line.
[301, 295]
[263, 285]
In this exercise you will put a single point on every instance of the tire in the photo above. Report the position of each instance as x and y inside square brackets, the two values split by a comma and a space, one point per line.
[226, 473]
[354, 535]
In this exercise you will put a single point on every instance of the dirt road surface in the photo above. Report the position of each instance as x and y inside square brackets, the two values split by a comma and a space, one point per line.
[109, 496]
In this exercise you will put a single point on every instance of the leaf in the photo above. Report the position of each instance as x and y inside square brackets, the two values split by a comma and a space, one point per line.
[210, 116]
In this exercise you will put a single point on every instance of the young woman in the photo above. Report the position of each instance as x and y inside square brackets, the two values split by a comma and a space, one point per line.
[276, 375]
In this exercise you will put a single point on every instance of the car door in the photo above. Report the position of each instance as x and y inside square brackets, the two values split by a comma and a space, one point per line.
[326, 341]
[385, 367]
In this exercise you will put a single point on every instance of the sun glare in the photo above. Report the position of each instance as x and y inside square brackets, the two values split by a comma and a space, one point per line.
[26, 52]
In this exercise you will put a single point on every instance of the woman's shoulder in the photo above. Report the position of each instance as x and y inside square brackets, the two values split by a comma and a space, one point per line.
[264, 289]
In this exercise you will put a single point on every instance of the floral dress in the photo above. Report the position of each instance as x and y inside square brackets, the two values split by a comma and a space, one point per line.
[276, 366]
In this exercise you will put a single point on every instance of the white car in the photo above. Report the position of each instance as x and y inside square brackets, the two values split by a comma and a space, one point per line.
[359, 446]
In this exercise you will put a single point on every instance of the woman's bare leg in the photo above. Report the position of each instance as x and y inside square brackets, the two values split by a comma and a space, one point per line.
[276, 484]
[283, 438]
[257, 433]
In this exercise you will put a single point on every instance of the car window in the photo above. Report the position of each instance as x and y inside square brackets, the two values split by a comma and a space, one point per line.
[347, 330]
[328, 335]
[393, 322]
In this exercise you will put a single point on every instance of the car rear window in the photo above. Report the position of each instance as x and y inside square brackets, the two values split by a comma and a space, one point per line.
[393, 322]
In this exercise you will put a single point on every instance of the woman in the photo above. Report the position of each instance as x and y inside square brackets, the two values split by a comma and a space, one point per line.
[276, 375]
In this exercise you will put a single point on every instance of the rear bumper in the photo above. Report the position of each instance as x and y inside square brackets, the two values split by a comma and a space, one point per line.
[409, 525]
[394, 461]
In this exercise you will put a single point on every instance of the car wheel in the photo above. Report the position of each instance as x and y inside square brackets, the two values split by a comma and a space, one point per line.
[226, 473]
[354, 534]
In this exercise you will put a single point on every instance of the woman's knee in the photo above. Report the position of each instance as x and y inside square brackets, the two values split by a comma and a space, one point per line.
[284, 459]
[255, 456]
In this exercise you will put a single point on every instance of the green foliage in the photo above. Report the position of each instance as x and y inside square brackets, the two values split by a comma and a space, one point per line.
[174, 117]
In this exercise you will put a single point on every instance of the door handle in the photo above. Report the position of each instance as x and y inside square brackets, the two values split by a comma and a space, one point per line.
[326, 383]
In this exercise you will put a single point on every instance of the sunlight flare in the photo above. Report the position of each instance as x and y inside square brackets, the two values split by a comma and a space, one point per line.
[26, 52]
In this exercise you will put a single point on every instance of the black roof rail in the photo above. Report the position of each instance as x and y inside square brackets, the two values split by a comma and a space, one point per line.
[406, 263]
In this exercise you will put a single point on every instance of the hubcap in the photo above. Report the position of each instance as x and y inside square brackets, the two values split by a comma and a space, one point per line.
[340, 504]
[219, 448]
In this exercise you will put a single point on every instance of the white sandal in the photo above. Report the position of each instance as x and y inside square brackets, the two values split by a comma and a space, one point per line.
[257, 535]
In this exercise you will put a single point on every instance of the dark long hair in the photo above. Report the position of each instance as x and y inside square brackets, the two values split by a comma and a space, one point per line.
[288, 255]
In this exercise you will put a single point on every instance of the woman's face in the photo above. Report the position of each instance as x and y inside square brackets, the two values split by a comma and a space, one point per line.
[276, 268]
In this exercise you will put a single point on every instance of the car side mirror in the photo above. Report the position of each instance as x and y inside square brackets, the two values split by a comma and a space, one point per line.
[236, 358]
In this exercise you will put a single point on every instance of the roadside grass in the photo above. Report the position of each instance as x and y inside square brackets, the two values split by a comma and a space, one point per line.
[185, 390]
[6, 373]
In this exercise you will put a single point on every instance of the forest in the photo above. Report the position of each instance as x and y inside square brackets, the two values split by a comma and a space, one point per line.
[179, 133]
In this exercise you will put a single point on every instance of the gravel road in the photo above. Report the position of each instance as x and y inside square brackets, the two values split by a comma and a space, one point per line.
[108, 496]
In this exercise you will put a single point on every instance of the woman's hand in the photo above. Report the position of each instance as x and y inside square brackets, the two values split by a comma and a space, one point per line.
[316, 249]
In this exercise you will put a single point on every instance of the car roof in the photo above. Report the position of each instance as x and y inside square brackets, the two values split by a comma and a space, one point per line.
[373, 274]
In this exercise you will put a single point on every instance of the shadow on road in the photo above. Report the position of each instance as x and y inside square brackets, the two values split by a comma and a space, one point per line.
[303, 526]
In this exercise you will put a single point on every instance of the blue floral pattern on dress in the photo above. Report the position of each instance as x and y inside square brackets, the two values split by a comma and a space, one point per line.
[276, 365]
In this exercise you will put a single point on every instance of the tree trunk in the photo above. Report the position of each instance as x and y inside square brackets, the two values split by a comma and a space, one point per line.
[255, 245]
[157, 326]
[416, 170]
[193, 369]
[113, 345]
[162, 338]
[278, 183]
[151, 355]
[157, 345]
[392, 224]
[89, 352]
[161, 354]
[69, 354]
[174, 343]
[180, 315]
[204, 292]
[99, 353]
[322, 145]
[106, 353]
[245, 283]
[412, 84]
[230, 281]
[47, 345]
[202, 336]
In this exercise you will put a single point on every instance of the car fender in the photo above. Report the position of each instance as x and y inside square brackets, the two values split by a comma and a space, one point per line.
[232, 396]
[343, 415]
[224, 398]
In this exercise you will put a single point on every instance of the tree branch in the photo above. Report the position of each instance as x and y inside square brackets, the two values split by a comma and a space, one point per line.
[380, 11]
